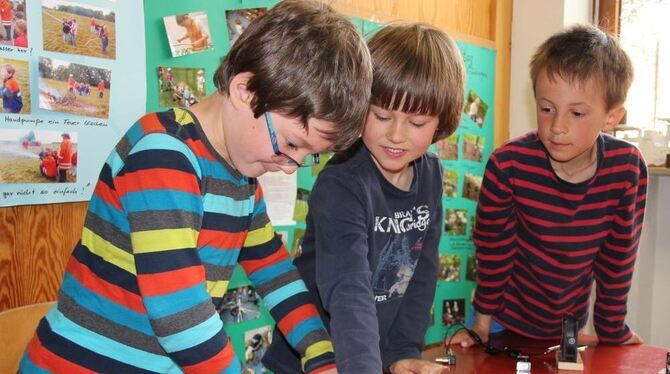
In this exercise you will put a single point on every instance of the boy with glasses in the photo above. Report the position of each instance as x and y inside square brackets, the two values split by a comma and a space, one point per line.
[177, 207]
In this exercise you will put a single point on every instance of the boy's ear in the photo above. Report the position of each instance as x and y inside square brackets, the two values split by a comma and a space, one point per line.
[239, 91]
[614, 117]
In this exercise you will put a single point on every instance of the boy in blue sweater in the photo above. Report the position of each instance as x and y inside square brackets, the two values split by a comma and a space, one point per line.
[370, 251]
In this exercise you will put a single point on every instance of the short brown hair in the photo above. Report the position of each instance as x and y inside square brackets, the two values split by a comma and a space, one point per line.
[307, 62]
[583, 52]
[418, 69]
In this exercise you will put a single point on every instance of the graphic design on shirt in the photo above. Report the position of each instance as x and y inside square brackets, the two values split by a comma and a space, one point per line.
[398, 257]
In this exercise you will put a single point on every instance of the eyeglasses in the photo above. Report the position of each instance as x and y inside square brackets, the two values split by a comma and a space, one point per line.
[282, 158]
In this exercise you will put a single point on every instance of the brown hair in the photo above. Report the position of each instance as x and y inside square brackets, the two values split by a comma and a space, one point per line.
[583, 52]
[307, 62]
[418, 69]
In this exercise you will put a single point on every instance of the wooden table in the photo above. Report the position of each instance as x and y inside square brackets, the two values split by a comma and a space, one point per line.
[605, 359]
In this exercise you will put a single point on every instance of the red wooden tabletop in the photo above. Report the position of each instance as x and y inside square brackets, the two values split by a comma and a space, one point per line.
[605, 359]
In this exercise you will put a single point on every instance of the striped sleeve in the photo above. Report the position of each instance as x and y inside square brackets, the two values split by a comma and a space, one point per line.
[159, 190]
[494, 238]
[613, 267]
[268, 266]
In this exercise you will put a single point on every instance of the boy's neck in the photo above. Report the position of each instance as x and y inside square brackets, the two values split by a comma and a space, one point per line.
[580, 169]
[211, 112]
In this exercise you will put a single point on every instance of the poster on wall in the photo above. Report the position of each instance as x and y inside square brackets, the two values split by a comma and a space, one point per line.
[66, 90]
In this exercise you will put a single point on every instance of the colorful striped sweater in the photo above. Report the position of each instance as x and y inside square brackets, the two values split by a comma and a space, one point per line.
[542, 241]
[166, 225]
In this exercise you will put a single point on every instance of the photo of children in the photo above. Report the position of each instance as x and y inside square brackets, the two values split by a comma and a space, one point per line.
[450, 183]
[300, 210]
[475, 108]
[296, 250]
[14, 30]
[180, 87]
[256, 343]
[69, 27]
[453, 311]
[73, 88]
[188, 33]
[456, 221]
[450, 268]
[240, 304]
[238, 20]
[473, 147]
[471, 269]
[447, 149]
[34, 156]
[471, 185]
[15, 91]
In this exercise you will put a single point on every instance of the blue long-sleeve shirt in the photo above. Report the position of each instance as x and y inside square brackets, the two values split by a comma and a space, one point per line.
[370, 259]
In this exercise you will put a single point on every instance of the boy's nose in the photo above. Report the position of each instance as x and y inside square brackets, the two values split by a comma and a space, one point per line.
[558, 125]
[396, 132]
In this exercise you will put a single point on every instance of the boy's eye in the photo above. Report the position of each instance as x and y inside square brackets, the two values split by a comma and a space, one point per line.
[380, 117]
[417, 124]
[546, 109]
[291, 145]
[577, 114]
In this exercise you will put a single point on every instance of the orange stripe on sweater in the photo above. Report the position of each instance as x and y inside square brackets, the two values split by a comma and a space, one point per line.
[171, 281]
[296, 316]
[215, 364]
[49, 361]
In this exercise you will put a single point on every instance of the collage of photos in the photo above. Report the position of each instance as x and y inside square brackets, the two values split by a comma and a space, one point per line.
[475, 108]
[473, 148]
[447, 149]
[15, 91]
[450, 183]
[14, 23]
[239, 19]
[240, 304]
[453, 311]
[472, 183]
[32, 156]
[256, 343]
[180, 87]
[456, 222]
[73, 88]
[73, 28]
[188, 33]
[450, 268]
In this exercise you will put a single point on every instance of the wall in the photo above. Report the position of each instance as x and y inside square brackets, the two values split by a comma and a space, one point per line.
[35, 241]
[534, 21]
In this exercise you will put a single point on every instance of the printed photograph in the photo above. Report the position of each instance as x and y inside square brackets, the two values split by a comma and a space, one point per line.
[453, 311]
[471, 186]
[296, 247]
[475, 108]
[473, 147]
[14, 23]
[33, 156]
[473, 221]
[188, 33]
[447, 148]
[239, 19]
[456, 221]
[240, 304]
[15, 91]
[323, 160]
[73, 88]
[450, 268]
[80, 29]
[283, 236]
[256, 343]
[300, 210]
[180, 87]
[450, 183]
[471, 270]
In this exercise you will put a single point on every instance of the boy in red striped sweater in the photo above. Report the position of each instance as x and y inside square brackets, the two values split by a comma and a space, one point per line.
[562, 206]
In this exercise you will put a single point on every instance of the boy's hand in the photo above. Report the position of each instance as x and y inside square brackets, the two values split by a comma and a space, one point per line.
[414, 366]
[465, 340]
[635, 339]
[329, 371]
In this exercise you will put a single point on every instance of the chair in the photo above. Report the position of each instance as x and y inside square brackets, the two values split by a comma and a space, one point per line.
[17, 327]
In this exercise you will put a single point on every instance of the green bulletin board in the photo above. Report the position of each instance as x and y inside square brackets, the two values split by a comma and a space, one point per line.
[463, 156]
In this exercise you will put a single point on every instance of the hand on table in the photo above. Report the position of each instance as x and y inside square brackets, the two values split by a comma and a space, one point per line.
[463, 338]
[414, 366]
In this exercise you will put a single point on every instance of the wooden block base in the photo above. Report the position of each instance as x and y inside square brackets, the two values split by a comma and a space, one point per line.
[567, 365]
